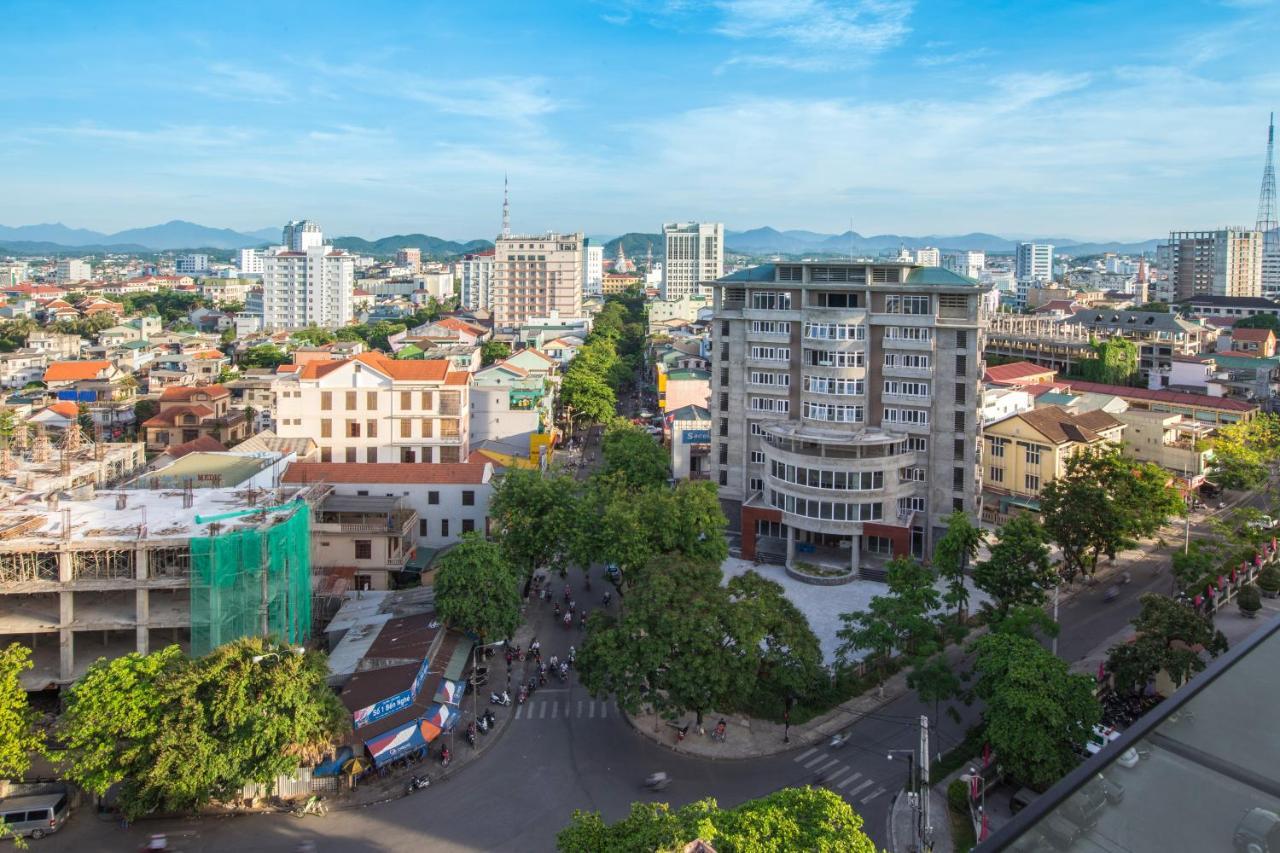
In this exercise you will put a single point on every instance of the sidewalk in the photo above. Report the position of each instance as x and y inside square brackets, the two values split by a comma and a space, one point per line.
[902, 820]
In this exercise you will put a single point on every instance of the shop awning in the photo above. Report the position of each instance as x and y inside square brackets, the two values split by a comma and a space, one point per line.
[458, 660]
[401, 741]
[442, 717]
[450, 692]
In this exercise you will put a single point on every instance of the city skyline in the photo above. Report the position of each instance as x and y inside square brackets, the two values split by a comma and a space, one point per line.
[790, 113]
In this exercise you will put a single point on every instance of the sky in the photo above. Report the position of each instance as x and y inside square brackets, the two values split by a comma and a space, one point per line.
[1087, 120]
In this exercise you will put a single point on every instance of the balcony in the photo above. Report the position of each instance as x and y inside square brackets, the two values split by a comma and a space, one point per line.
[364, 514]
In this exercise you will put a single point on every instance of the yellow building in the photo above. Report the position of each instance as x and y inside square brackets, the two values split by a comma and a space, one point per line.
[1026, 451]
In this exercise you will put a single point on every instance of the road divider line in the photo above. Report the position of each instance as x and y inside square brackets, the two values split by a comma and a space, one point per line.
[542, 710]
[579, 714]
[591, 709]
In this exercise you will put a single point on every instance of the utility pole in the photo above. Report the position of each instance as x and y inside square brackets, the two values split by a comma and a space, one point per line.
[927, 834]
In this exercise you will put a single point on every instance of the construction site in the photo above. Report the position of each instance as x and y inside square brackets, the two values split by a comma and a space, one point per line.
[89, 572]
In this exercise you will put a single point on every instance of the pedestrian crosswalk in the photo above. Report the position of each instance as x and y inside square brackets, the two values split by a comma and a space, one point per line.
[838, 776]
[557, 708]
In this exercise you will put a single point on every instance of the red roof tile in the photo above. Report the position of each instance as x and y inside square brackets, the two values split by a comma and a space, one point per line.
[74, 371]
[386, 472]
[177, 393]
[1015, 372]
[1177, 397]
[203, 444]
[435, 370]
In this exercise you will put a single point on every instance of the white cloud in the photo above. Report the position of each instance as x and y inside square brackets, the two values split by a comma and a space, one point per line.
[869, 25]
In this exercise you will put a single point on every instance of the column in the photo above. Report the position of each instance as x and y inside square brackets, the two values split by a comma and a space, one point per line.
[142, 614]
[855, 552]
[791, 545]
[66, 615]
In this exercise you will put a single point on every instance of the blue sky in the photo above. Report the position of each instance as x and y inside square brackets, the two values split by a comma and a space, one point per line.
[1089, 120]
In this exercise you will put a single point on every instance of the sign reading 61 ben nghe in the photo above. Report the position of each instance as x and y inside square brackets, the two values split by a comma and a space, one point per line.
[382, 708]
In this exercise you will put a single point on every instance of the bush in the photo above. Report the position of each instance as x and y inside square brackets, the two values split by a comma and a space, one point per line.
[958, 796]
[1249, 600]
[1269, 579]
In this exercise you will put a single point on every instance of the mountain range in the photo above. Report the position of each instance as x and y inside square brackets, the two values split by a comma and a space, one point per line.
[179, 234]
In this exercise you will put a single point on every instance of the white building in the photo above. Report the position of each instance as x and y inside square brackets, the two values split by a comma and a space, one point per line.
[475, 272]
[1034, 262]
[970, 263]
[73, 269]
[535, 275]
[593, 272]
[438, 285]
[304, 287]
[928, 257]
[695, 253]
[12, 272]
[192, 264]
[372, 408]
[249, 262]
[1226, 262]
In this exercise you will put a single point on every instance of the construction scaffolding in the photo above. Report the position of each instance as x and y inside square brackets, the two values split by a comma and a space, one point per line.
[254, 581]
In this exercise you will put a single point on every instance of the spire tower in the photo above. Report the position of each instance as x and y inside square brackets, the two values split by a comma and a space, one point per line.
[1267, 223]
[506, 208]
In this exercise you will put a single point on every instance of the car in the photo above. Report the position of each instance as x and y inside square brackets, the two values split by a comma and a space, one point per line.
[1099, 738]
[1264, 522]
[1257, 832]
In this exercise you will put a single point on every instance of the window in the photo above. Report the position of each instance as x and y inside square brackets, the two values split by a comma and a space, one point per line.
[406, 428]
[770, 327]
[904, 359]
[426, 401]
[914, 474]
[957, 479]
[835, 331]
[771, 353]
[896, 304]
[960, 420]
[724, 376]
[757, 457]
[770, 404]
[908, 333]
[962, 365]
[755, 484]
[422, 527]
[824, 358]
[351, 401]
[1032, 483]
[818, 478]
[838, 387]
[468, 497]
[1033, 454]
[997, 447]
[724, 453]
[906, 389]
[724, 426]
[364, 549]
[958, 447]
[371, 455]
[962, 339]
[326, 428]
[957, 504]
[756, 429]
[878, 545]
[427, 427]
[997, 474]
[353, 429]
[406, 399]
[326, 401]
[919, 417]
[914, 504]
[960, 393]
[724, 478]
[765, 377]
[770, 300]
[833, 299]
[917, 443]
[433, 498]
[351, 454]
[724, 328]
[833, 412]
[444, 527]
[468, 525]
[371, 429]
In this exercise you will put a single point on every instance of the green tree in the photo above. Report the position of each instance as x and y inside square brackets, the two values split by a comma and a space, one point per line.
[1115, 362]
[313, 336]
[951, 556]
[1158, 307]
[790, 659]
[477, 590]
[1038, 715]
[19, 739]
[494, 351]
[1169, 637]
[263, 355]
[934, 680]
[1081, 513]
[534, 517]
[790, 819]
[1018, 571]
[675, 647]
[1193, 567]
[899, 620]
[632, 453]
[1243, 453]
[1259, 321]
[144, 410]
[587, 396]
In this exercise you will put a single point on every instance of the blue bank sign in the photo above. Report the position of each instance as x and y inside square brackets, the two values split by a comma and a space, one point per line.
[696, 436]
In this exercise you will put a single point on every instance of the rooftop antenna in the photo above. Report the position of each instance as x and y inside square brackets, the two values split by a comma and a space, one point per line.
[506, 207]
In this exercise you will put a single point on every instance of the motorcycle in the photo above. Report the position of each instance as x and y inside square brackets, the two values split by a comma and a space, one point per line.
[482, 725]
[417, 783]
[522, 695]
[504, 699]
[1113, 592]
[445, 757]
[838, 741]
[489, 718]
[471, 735]
[657, 781]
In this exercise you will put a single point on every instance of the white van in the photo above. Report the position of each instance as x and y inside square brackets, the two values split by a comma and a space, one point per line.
[34, 816]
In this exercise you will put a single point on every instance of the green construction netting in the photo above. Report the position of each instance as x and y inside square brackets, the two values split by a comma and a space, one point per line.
[229, 589]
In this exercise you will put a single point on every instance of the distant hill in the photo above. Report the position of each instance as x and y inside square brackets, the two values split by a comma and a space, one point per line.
[44, 247]
[54, 232]
[768, 240]
[179, 234]
[636, 245]
[434, 247]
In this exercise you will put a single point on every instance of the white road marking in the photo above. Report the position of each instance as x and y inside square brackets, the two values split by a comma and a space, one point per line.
[555, 708]
[802, 756]
[840, 774]
[824, 768]
[519, 709]
[542, 710]
[604, 709]
[847, 782]
[591, 709]
[812, 761]
[869, 797]
[579, 713]
[863, 786]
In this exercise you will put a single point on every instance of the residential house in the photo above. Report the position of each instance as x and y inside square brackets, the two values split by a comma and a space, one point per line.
[689, 430]
[373, 408]
[57, 346]
[684, 387]
[1255, 342]
[510, 405]
[56, 416]
[68, 374]
[187, 413]
[999, 403]
[1018, 374]
[1174, 442]
[369, 539]
[22, 366]
[1199, 407]
[563, 349]
[1028, 450]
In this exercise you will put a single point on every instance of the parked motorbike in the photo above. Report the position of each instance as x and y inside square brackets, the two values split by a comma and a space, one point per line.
[482, 725]
[489, 718]
[417, 783]
[445, 757]
[504, 699]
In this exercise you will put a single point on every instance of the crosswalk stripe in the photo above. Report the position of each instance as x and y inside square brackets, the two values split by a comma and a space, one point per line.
[863, 786]
[579, 714]
[591, 709]
[542, 710]
[519, 710]
[555, 708]
[802, 756]
[849, 780]
[869, 797]
[604, 709]
[824, 768]
[812, 761]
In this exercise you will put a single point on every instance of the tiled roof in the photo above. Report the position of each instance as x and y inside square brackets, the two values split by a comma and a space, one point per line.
[170, 416]
[419, 371]
[387, 472]
[1176, 397]
[1061, 427]
[175, 393]
[203, 444]
[1259, 335]
[66, 409]
[1015, 371]
[73, 371]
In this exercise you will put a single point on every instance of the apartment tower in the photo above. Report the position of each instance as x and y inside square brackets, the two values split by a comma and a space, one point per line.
[695, 254]
[536, 275]
[845, 405]
[1226, 262]
[308, 284]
